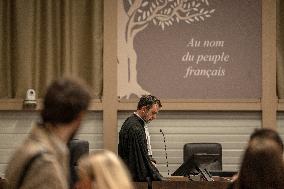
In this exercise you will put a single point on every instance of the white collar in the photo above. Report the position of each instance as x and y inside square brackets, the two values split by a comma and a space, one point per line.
[140, 117]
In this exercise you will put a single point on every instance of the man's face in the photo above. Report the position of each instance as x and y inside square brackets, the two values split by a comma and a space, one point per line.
[150, 114]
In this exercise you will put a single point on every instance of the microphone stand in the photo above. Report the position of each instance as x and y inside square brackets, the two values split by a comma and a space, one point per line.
[165, 151]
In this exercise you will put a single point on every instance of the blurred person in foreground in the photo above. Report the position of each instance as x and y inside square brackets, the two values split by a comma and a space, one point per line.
[134, 140]
[42, 161]
[262, 165]
[103, 170]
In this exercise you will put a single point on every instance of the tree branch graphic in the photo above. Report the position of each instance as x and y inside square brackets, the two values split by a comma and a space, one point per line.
[135, 16]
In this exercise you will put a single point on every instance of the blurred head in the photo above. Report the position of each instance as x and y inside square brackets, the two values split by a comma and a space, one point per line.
[103, 170]
[262, 165]
[64, 100]
[148, 107]
[265, 133]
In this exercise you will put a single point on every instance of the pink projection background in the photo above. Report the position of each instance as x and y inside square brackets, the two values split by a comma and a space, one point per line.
[217, 56]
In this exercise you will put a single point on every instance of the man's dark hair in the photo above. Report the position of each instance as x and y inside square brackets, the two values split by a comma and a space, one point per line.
[148, 101]
[265, 133]
[64, 100]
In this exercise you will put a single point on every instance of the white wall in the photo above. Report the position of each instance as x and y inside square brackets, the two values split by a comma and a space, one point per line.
[280, 124]
[15, 126]
[231, 129]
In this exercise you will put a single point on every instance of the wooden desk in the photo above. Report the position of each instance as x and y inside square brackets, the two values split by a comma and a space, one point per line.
[182, 183]
[3, 183]
[189, 184]
[140, 185]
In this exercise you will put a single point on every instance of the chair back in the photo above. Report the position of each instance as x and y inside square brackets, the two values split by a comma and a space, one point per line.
[77, 148]
[207, 149]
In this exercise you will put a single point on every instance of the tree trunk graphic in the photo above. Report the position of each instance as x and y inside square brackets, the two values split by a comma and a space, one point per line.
[133, 17]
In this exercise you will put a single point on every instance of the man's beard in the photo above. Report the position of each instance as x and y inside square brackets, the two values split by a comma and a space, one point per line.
[147, 121]
[145, 118]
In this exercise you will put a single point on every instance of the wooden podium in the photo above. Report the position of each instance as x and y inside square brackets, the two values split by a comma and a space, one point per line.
[183, 183]
[189, 184]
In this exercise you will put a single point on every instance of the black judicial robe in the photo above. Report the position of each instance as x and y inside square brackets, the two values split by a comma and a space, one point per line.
[132, 148]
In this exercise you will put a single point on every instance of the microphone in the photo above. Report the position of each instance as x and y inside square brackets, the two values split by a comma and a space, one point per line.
[165, 151]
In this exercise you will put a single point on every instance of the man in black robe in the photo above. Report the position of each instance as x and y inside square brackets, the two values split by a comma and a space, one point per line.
[132, 147]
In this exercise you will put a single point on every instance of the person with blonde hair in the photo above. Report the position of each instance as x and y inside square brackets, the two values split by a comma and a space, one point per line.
[103, 170]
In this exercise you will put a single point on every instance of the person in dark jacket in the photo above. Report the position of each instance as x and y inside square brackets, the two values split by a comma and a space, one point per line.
[132, 147]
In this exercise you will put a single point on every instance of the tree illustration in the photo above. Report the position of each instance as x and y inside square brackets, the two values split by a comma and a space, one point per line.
[134, 17]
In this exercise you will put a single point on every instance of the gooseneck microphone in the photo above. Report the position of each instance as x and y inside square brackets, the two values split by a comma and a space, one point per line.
[165, 151]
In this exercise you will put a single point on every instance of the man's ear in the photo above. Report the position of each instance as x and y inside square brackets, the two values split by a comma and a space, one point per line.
[80, 116]
[144, 109]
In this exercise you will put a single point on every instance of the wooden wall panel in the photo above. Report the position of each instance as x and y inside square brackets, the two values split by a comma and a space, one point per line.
[231, 129]
[16, 125]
